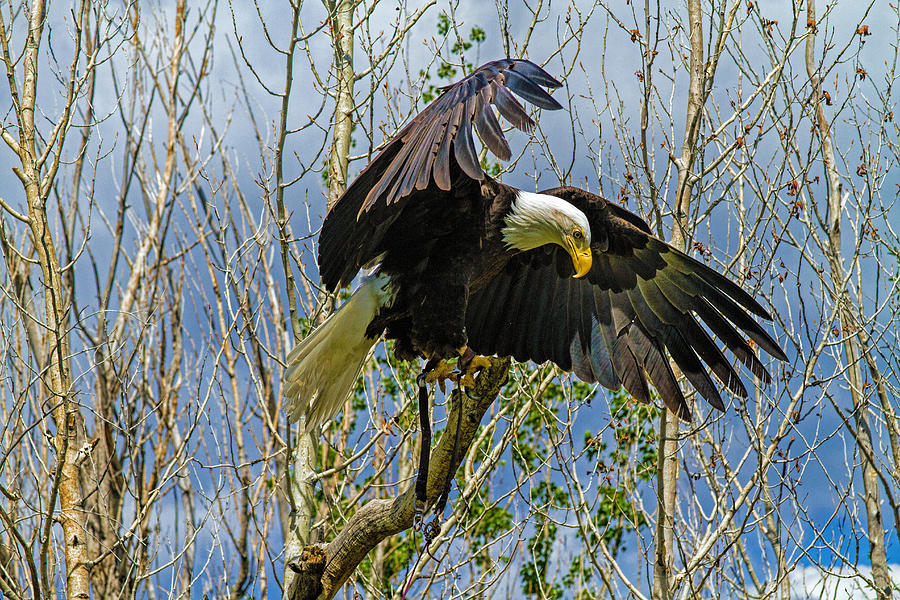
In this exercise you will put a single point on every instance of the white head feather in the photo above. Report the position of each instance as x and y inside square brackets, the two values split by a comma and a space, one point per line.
[539, 219]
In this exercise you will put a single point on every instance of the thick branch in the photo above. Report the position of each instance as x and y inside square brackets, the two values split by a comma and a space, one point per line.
[380, 519]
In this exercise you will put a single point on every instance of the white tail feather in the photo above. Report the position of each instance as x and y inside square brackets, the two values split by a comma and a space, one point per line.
[323, 368]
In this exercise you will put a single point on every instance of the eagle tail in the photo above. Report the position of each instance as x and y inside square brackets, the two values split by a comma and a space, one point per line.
[322, 369]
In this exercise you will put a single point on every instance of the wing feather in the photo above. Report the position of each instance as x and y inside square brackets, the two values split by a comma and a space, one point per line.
[464, 147]
[629, 369]
[534, 73]
[511, 110]
[488, 126]
[433, 148]
[658, 316]
[642, 309]
[530, 91]
[441, 168]
[539, 338]
[427, 154]
[581, 361]
[602, 338]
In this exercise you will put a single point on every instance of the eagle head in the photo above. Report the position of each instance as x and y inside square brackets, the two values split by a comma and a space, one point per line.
[535, 220]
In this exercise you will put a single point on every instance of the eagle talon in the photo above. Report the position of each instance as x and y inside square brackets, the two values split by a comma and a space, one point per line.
[440, 374]
[469, 368]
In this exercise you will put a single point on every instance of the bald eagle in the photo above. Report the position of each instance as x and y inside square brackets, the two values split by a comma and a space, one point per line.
[461, 260]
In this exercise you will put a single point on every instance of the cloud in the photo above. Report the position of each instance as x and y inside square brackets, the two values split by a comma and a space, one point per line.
[846, 583]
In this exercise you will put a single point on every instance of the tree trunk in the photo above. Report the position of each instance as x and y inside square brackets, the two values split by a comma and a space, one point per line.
[302, 492]
[849, 328]
[667, 469]
[666, 480]
[53, 355]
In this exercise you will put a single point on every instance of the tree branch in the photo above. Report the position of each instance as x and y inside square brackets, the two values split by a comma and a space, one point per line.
[380, 519]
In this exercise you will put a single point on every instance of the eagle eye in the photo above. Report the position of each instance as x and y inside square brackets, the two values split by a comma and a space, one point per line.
[578, 234]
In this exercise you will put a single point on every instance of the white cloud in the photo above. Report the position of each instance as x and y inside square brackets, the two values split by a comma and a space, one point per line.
[847, 583]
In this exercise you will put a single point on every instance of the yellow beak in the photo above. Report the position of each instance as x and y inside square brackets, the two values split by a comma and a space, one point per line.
[581, 259]
[582, 262]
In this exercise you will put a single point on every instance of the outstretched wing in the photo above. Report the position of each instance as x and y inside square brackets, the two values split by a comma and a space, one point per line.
[433, 151]
[642, 300]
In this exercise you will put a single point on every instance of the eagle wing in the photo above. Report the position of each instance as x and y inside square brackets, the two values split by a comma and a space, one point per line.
[434, 150]
[641, 300]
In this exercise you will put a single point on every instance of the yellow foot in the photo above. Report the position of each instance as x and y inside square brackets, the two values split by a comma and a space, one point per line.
[475, 365]
[440, 374]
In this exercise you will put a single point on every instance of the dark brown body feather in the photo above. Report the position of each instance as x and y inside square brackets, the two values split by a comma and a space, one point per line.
[442, 246]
